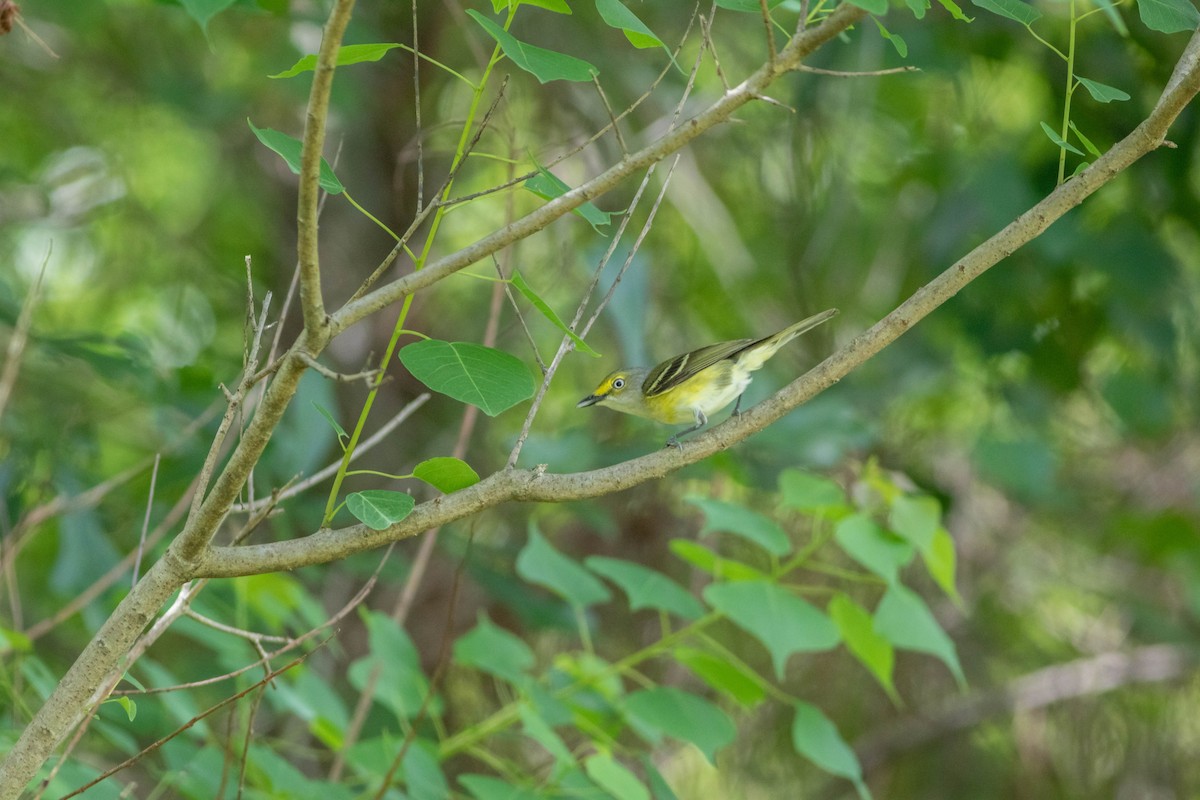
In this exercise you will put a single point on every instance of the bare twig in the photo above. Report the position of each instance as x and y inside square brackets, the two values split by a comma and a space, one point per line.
[20, 335]
[137, 564]
[1086, 676]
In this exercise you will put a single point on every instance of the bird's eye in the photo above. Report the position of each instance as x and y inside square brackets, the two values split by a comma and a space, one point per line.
[619, 383]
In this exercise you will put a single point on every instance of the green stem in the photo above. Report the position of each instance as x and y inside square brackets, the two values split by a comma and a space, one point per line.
[1071, 84]
[418, 263]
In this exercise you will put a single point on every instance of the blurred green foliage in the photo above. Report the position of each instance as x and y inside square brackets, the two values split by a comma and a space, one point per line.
[1050, 408]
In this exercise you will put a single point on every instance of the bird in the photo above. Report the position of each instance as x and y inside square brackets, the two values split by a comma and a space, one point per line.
[693, 386]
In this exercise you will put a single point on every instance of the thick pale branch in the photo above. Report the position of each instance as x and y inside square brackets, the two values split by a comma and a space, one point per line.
[538, 486]
[789, 58]
[311, 301]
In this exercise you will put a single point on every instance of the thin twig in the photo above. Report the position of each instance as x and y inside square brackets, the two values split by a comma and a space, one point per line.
[20, 336]
[363, 448]
[875, 73]
[137, 564]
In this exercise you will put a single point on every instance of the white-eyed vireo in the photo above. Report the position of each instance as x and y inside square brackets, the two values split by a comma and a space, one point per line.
[695, 385]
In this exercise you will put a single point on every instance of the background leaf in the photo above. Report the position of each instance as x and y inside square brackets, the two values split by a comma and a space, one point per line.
[784, 623]
[545, 65]
[540, 564]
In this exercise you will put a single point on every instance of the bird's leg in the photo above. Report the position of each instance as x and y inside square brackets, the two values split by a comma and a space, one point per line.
[737, 407]
[701, 421]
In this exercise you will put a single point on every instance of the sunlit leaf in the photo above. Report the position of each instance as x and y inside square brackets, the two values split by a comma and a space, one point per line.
[941, 561]
[614, 777]
[482, 376]
[380, 509]
[784, 623]
[725, 676]
[721, 568]
[864, 643]
[446, 474]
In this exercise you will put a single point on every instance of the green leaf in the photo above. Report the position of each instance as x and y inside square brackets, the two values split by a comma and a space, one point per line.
[482, 376]
[380, 509]
[485, 787]
[204, 10]
[545, 65]
[873, 6]
[955, 11]
[446, 474]
[289, 149]
[538, 729]
[1101, 93]
[725, 569]
[658, 784]
[918, 7]
[423, 776]
[401, 685]
[784, 623]
[1087, 143]
[904, 620]
[869, 647]
[812, 494]
[816, 738]
[1114, 16]
[1058, 140]
[494, 650]
[647, 588]
[127, 704]
[1168, 16]
[524, 288]
[347, 54]
[750, 525]
[539, 563]
[557, 6]
[725, 676]
[548, 186]
[896, 40]
[940, 560]
[873, 547]
[341, 433]
[1012, 9]
[916, 519]
[616, 15]
[616, 779]
[682, 716]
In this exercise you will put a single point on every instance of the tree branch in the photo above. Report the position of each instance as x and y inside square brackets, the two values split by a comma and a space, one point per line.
[311, 301]
[538, 486]
[788, 59]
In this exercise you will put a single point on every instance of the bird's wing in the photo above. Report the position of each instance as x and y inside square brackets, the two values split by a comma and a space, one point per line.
[675, 371]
